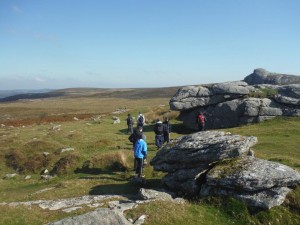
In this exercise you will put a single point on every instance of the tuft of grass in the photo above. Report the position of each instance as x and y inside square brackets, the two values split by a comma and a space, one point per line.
[263, 93]
[66, 164]
[193, 213]
[22, 163]
[160, 113]
[112, 161]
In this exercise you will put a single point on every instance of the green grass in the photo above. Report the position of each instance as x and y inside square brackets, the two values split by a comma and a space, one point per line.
[278, 140]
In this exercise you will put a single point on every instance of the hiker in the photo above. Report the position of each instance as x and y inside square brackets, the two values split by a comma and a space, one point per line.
[134, 136]
[129, 124]
[159, 133]
[167, 130]
[201, 121]
[140, 120]
[140, 152]
[133, 139]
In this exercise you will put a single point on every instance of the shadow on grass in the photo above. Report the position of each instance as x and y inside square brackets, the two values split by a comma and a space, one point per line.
[181, 129]
[175, 128]
[125, 188]
[146, 128]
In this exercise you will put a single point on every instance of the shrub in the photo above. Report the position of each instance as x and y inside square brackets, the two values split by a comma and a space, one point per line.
[112, 161]
[37, 163]
[66, 164]
[22, 163]
[263, 93]
[15, 159]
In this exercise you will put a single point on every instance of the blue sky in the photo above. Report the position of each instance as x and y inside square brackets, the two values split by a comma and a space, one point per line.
[144, 43]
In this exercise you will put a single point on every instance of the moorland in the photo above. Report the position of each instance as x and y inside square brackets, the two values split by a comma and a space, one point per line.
[35, 129]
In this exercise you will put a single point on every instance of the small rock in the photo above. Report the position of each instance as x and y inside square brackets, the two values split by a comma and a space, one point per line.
[47, 177]
[71, 209]
[56, 127]
[10, 175]
[27, 177]
[67, 150]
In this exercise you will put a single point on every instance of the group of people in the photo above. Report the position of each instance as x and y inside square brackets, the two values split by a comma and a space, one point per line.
[162, 135]
[162, 132]
[138, 139]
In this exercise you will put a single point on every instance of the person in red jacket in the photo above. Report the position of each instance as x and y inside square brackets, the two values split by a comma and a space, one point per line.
[201, 121]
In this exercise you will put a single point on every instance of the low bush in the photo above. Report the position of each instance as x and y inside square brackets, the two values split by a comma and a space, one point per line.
[15, 159]
[20, 162]
[112, 161]
[66, 164]
[263, 93]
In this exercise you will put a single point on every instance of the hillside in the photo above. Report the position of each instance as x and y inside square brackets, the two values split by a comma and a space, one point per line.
[35, 134]
[127, 93]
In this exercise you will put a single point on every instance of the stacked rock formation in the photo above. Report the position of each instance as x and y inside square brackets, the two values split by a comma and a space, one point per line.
[217, 163]
[231, 104]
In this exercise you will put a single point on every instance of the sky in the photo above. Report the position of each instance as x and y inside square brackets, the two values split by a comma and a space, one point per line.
[144, 43]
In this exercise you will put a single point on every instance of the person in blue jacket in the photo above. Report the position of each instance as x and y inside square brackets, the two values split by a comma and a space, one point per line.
[140, 152]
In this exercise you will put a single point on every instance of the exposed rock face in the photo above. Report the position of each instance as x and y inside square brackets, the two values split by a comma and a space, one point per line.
[229, 105]
[99, 216]
[289, 94]
[112, 215]
[259, 182]
[216, 163]
[262, 76]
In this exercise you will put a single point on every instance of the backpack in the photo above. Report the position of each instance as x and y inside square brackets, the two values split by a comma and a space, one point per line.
[200, 119]
[159, 129]
[141, 119]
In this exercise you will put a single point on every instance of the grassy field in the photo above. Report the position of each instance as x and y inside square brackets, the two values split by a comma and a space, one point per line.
[101, 161]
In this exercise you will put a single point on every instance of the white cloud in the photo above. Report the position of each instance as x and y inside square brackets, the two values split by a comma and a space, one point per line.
[38, 79]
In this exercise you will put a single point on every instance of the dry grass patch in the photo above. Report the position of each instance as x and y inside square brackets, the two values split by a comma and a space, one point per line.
[160, 113]
[22, 163]
[112, 161]
[66, 164]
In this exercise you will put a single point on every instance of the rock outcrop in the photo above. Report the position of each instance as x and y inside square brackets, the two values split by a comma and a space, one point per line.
[232, 104]
[262, 76]
[217, 163]
[112, 215]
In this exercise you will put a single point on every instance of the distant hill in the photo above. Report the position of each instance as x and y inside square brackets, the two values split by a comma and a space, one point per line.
[128, 93]
[8, 93]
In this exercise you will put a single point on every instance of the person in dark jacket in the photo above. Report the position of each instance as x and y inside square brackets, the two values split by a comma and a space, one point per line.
[134, 136]
[140, 120]
[167, 130]
[159, 133]
[129, 121]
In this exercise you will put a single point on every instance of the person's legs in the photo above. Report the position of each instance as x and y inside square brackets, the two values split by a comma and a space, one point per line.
[157, 141]
[161, 140]
[200, 127]
[167, 137]
[134, 164]
[139, 167]
[131, 129]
